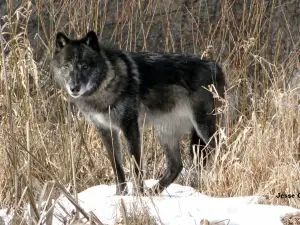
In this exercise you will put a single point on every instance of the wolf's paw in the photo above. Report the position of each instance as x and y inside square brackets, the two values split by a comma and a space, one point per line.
[138, 191]
[155, 190]
[122, 189]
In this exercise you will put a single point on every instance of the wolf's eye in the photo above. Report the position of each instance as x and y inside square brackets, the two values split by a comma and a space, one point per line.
[66, 66]
[84, 66]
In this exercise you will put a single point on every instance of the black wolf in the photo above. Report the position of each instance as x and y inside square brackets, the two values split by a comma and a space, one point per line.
[119, 91]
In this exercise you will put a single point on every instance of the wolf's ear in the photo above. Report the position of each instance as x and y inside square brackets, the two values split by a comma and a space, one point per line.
[60, 41]
[91, 40]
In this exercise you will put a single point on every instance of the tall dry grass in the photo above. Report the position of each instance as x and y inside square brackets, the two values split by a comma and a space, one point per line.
[43, 138]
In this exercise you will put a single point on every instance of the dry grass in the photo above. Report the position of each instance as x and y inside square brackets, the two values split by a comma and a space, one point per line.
[43, 138]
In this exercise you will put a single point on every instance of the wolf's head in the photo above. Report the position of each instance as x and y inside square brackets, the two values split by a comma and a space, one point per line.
[78, 64]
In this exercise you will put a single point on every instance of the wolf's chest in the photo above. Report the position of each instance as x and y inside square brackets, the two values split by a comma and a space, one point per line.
[102, 119]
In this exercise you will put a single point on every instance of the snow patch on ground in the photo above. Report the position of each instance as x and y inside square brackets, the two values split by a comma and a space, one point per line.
[4, 218]
[176, 205]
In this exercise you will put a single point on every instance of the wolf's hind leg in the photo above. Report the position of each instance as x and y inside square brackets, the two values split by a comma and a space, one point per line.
[170, 144]
[111, 143]
[205, 127]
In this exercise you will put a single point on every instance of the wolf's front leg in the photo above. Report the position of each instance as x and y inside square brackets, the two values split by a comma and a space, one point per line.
[111, 142]
[131, 133]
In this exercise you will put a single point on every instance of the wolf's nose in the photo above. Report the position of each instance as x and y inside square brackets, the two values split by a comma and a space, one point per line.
[75, 89]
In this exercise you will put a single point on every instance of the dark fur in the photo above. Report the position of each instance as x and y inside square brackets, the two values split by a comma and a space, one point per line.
[118, 90]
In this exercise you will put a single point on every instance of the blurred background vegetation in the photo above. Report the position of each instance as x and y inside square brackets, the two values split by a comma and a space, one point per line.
[256, 42]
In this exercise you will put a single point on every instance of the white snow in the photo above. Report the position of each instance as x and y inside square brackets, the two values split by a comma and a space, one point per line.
[4, 218]
[177, 205]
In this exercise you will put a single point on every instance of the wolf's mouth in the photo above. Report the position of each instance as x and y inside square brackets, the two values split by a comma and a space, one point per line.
[75, 95]
[76, 92]
[84, 90]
